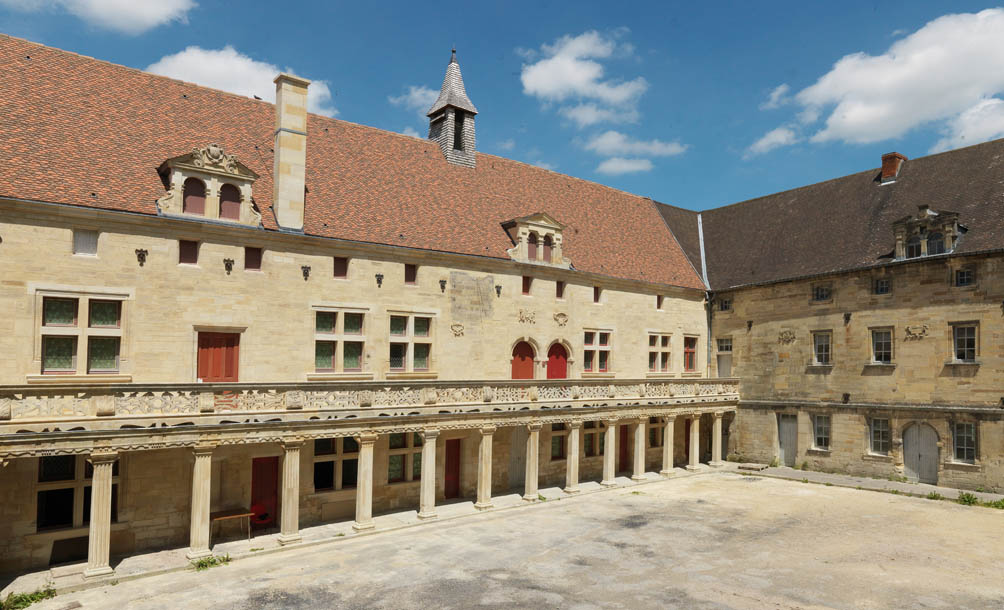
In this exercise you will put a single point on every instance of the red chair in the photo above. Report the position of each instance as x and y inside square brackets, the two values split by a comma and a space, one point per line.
[261, 518]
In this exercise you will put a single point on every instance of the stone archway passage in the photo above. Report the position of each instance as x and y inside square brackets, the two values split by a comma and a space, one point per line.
[920, 454]
[522, 361]
[557, 362]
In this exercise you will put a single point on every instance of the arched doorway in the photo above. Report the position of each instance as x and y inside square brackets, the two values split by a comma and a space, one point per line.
[920, 454]
[557, 362]
[522, 361]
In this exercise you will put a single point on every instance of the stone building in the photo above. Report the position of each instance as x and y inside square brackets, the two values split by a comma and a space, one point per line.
[214, 302]
[864, 317]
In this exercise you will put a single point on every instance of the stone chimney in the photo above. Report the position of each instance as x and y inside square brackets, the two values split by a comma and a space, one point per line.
[891, 164]
[289, 173]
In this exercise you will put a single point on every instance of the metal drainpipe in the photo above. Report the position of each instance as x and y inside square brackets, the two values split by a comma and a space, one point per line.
[709, 296]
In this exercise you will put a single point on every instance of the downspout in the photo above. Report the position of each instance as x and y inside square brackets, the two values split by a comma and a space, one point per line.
[709, 295]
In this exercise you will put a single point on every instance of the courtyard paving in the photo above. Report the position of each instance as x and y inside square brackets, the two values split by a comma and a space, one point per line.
[719, 540]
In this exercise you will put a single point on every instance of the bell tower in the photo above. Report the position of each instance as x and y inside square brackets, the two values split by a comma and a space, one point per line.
[451, 118]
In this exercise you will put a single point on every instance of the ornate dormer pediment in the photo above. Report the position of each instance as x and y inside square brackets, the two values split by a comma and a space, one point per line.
[927, 233]
[209, 183]
[537, 238]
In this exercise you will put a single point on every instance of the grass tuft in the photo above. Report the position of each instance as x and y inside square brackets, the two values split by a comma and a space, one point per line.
[210, 562]
[968, 499]
[16, 601]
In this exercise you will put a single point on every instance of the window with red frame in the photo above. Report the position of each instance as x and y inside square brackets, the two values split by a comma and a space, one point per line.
[690, 353]
[596, 351]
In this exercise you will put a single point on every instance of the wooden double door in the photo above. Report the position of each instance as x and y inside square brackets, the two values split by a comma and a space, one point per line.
[219, 354]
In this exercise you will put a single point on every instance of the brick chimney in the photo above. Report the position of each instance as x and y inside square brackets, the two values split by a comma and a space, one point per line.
[891, 164]
[290, 168]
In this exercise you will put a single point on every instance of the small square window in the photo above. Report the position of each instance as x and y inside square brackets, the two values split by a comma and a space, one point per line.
[102, 354]
[588, 338]
[85, 242]
[597, 293]
[57, 468]
[422, 326]
[59, 312]
[188, 252]
[353, 323]
[724, 304]
[882, 286]
[397, 440]
[324, 475]
[59, 355]
[965, 277]
[725, 345]
[410, 274]
[822, 292]
[252, 258]
[398, 325]
[324, 355]
[325, 322]
[341, 267]
[604, 338]
[104, 314]
[324, 446]
[658, 301]
[559, 289]
[527, 284]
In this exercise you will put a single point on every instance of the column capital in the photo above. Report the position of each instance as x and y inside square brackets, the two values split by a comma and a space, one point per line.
[487, 430]
[669, 419]
[293, 443]
[611, 421]
[575, 425]
[102, 457]
[367, 438]
[534, 427]
[719, 414]
[643, 419]
[203, 449]
[429, 435]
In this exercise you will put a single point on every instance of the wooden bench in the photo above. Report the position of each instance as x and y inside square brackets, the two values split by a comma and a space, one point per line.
[231, 513]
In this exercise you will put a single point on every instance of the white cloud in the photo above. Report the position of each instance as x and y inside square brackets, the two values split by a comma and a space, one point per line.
[775, 138]
[507, 144]
[568, 71]
[933, 75]
[616, 166]
[612, 142]
[982, 122]
[777, 98]
[126, 16]
[544, 165]
[232, 71]
[411, 131]
[418, 98]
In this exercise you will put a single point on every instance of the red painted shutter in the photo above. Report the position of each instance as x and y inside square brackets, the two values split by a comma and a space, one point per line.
[522, 361]
[230, 202]
[557, 362]
[194, 196]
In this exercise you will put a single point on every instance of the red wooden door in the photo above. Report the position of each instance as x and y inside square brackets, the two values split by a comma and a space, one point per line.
[218, 356]
[557, 362]
[522, 361]
[686, 441]
[265, 485]
[452, 466]
[623, 449]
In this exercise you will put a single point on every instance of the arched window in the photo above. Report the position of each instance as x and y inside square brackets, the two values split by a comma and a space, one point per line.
[935, 244]
[913, 247]
[531, 247]
[194, 195]
[547, 248]
[522, 361]
[557, 362]
[230, 202]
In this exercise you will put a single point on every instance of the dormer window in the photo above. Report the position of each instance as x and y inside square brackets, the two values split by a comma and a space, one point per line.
[531, 247]
[211, 184]
[913, 247]
[547, 248]
[935, 244]
[929, 233]
[537, 239]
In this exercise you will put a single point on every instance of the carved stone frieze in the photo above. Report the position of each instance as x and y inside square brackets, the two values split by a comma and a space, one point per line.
[561, 318]
[786, 337]
[527, 317]
[916, 332]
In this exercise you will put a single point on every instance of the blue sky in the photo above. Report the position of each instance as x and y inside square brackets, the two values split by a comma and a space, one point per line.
[694, 104]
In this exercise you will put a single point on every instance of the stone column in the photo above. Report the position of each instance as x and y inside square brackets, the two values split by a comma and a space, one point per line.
[427, 495]
[532, 462]
[99, 537]
[668, 434]
[695, 442]
[572, 459]
[485, 469]
[289, 532]
[610, 453]
[639, 450]
[364, 482]
[716, 441]
[198, 541]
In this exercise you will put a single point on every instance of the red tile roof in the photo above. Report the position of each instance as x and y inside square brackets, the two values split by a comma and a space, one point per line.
[80, 131]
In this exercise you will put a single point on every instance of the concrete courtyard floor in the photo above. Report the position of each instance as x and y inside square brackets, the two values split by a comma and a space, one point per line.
[721, 540]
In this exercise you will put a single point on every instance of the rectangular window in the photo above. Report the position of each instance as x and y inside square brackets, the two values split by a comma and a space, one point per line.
[596, 352]
[658, 301]
[59, 355]
[527, 283]
[64, 492]
[658, 353]
[597, 293]
[592, 436]
[822, 292]
[559, 289]
[59, 312]
[880, 437]
[341, 267]
[690, 354]
[104, 314]
[410, 273]
[252, 258]
[725, 344]
[964, 437]
[85, 242]
[335, 461]
[821, 431]
[821, 354]
[965, 277]
[188, 252]
[559, 436]
[965, 342]
[882, 346]
[411, 348]
[882, 286]
[339, 343]
[655, 432]
[724, 304]
[102, 354]
[404, 460]
[55, 508]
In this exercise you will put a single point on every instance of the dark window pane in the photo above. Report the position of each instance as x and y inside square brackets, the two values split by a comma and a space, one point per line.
[324, 355]
[410, 273]
[416, 466]
[587, 443]
[353, 323]
[398, 325]
[398, 351]
[422, 356]
[349, 473]
[103, 354]
[104, 313]
[252, 258]
[324, 475]
[57, 468]
[422, 327]
[341, 267]
[59, 312]
[352, 359]
[55, 508]
[398, 441]
[188, 252]
[325, 322]
[59, 354]
[324, 446]
[395, 468]
[350, 445]
[416, 439]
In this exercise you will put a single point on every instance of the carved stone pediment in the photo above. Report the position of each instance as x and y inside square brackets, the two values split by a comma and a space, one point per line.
[212, 158]
[214, 167]
[543, 228]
